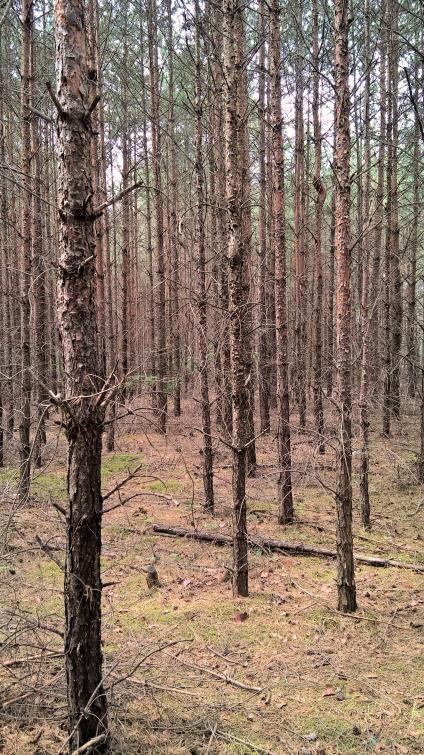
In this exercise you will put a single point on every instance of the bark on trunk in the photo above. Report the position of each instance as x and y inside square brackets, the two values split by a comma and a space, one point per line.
[25, 421]
[263, 370]
[376, 287]
[87, 708]
[345, 566]
[365, 320]
[161, 396]
[39, 280]
[174, 251]
[299, 228]
[319, 202]
[232, 62]
[201, 276]
[285, 497]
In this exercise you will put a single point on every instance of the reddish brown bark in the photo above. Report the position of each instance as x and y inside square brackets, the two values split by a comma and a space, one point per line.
[365, 318]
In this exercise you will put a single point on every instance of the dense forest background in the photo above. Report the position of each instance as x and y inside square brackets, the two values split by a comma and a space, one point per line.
[212, 315]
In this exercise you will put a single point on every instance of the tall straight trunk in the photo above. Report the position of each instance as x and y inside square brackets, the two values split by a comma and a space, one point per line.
[7, 346]
[92, 62]
[285, 497]
[263, 371]
[223, 346]
[51, 260]
[299, 228]
[134, 343]
[233, 24]
[246, 218]
[104, 232]
[375, 284]
[158, 205]
[14, 278]
[125, 225]
[4, 355]
[87, 708]
[213, 103]
[357, 214]
[330, 284]
[388, 252]
[270, 260]
[319, 202]
[201, 275]
[411, 325]
[345, 565]
[39, 279]
[25, 421]
[149, 242]
[393, 228]
[365, 319]
[174, 251]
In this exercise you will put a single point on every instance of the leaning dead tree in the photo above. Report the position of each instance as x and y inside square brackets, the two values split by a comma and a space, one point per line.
[82, 405]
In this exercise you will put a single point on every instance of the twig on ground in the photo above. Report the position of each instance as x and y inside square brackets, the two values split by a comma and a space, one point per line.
[91, 744]
[222, 677]
[211, 738]
[232, 738]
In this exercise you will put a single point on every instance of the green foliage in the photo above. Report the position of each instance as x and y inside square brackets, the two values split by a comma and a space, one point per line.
[43, 485]
[171, 486]
[117, 464]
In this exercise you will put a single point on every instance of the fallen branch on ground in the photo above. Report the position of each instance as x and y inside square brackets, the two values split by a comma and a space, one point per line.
[298, 549]
[91, 744]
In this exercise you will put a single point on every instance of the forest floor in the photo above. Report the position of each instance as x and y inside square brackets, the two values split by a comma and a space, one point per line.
[191, 669]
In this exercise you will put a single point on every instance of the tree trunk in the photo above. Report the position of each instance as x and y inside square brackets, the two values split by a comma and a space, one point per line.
[25, 421]
[125, 224]
[232, 62]
[246, 220]
[39, 280]
[376, 287]
[393, 227]
[87, 708]
[173, 241]
[330, 285]
[161, 396]
[201, 276]
[299, 227]
[285, 497]
[411, 325]
[263, 372]
[149, 242]
[7, 350]
[345, 567]
[319, 202]
[365, 319]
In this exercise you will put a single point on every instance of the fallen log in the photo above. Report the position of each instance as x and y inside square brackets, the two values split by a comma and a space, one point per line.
[297, 549]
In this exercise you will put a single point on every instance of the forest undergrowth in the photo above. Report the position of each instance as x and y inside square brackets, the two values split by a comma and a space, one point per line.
[188, 668]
